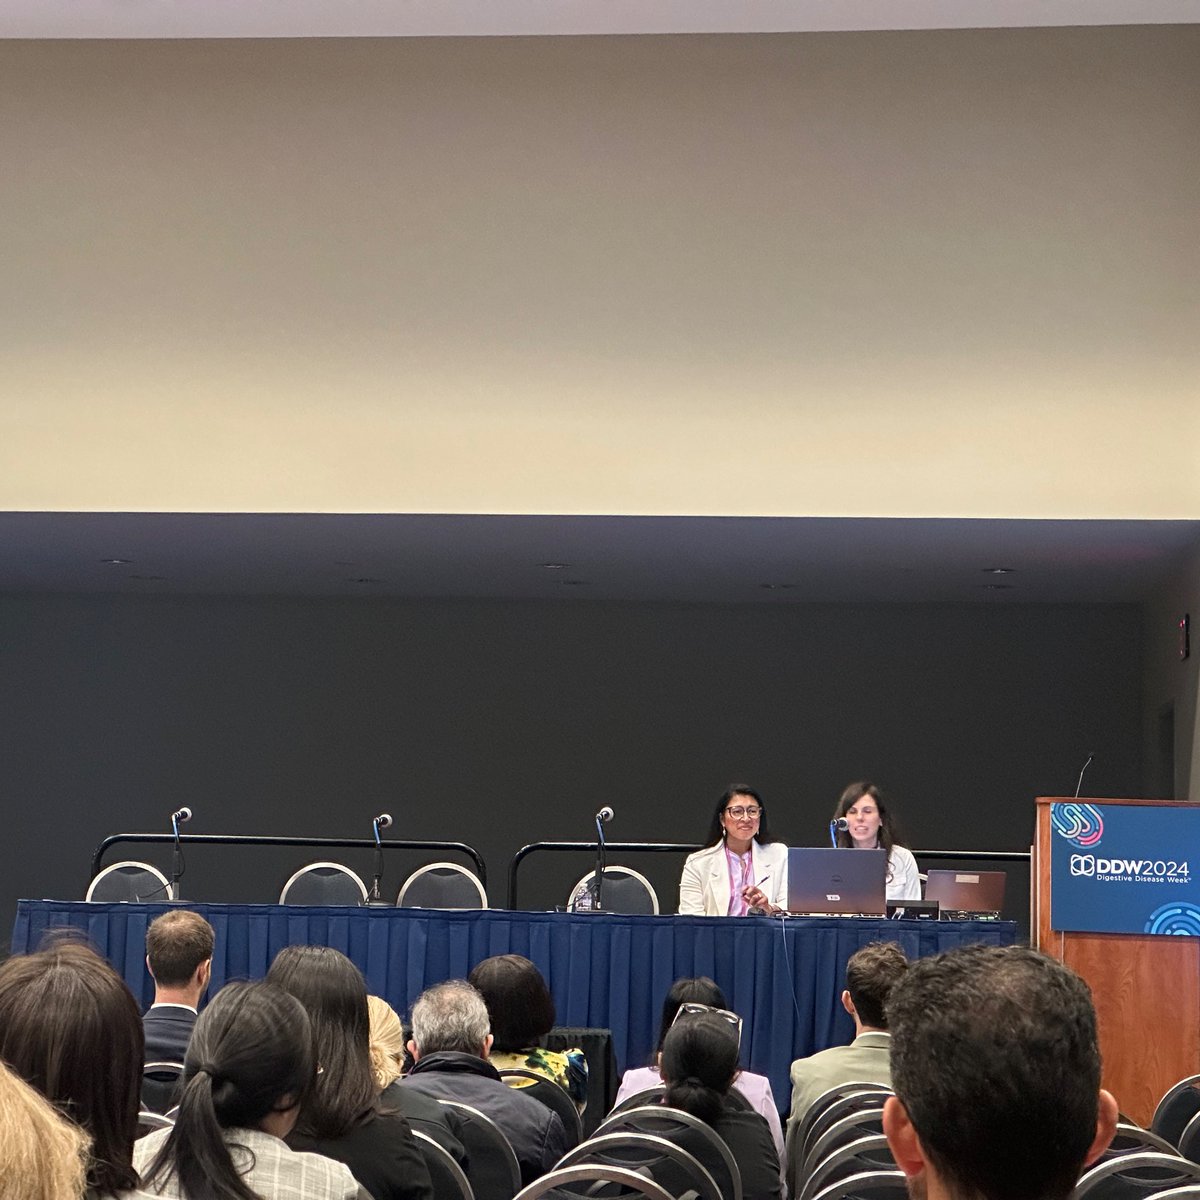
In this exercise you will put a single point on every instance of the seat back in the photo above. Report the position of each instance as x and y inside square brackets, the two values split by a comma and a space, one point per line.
[1132, 1139]
[625, 891]
[824, 1112]
[647, 1096]
[1135, 1176]
[161, 1085]
[656, 1157]
[549, 1093]
[449, 1182]
[1189, 1140]
[492, 1167]
[869, 1185]
[864, 1155]
[841, 1133]
[324, 883]
[1178, 1106]
[129, 882]
[148, 1122]
[594, 1179]
[442, 885]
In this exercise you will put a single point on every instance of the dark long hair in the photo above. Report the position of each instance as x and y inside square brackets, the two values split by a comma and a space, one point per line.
[716, 832]
[71, 1028]
[889, 835]
[334, 995]
[520, 1007]
[699, 1062]
[251, 1048]
[700, 990]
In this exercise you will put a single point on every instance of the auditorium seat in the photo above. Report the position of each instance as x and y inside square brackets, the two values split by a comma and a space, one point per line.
[324, 883]
[442, 885]
[625, 891]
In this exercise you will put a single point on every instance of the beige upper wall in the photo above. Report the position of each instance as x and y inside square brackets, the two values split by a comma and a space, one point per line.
[924, 274]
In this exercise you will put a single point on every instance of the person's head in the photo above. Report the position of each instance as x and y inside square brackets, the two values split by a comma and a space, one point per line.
[871, 974]
[179, 950]
[699, 1061]
[43, 1156]
[250, 1064]
[748, 820]
[520, 1007]
[71, 1028]
[334, 995]
[994, 1048]
[871, 824]
[450, 1016]
[387, 1041]
[698, 990]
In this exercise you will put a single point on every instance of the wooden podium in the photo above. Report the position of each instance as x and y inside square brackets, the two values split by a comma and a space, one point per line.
[1146, 987]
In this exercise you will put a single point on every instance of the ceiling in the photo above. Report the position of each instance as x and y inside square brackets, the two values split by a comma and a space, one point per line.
[680, 559]
[451, 18]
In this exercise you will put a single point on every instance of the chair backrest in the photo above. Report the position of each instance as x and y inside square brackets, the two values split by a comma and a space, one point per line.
[324, 883]
[1189, 1140]
[841, 1133]
[1133, 1176]
[584, 1178]
[492, 1167]
[864, 1155]
[1132, 1139]
[129, 881]
[552, 1095]
[449, 1182]
[1177, 1107]
[865, 1100]
[662, 1160]
[870, 1185]
[442, 885]
[148, 1122]
[625, 891]
[700, 1140]
[161, 1085]
[798, 1131]
[650, 1095]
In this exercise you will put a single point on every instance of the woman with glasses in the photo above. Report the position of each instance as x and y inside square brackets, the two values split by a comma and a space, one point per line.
[741, 869]
[869, 826]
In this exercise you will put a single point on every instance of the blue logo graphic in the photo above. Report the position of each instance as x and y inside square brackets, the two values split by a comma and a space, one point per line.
[1080, 824]
[1179, 918]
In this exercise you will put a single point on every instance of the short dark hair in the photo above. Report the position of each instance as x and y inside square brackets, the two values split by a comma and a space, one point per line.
[699, 1062]
[871, 973]
[995, 1047]
[520, 1007]
[688, 990]
[716, 830]
[71, 1028]
[176, 944]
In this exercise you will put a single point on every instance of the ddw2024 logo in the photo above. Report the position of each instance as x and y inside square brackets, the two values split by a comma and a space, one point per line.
[1137, 870]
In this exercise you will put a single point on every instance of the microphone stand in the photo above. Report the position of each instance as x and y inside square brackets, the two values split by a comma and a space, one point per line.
[374, 899]
[601, 857]
[176, 861]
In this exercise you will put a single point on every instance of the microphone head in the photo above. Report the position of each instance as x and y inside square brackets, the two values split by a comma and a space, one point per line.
[184, 814]
[840, 824]
[605, 814]
[383, 821]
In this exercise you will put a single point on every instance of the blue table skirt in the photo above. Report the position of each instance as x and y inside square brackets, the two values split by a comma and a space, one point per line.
[784, 976]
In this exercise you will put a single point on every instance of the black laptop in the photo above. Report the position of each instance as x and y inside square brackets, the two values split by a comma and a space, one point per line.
[967, 895]
[841, 882]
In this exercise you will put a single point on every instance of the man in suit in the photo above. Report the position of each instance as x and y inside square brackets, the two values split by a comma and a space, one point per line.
[997, 1076]
[179, 950]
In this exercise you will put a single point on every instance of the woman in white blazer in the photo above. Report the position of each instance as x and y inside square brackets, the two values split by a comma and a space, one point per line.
[741, 867]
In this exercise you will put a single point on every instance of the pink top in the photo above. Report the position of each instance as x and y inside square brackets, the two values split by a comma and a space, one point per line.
[741, 876]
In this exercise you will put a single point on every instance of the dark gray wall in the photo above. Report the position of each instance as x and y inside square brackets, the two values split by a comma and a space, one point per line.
[504, 723]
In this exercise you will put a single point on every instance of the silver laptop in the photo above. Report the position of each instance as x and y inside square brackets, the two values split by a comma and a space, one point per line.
[977, 893]
[837, 882]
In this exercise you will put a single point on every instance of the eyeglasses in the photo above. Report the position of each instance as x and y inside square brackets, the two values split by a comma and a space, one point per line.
[691, 1008]
[749, 810]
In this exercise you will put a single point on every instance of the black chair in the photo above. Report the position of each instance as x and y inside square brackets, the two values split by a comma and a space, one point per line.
[798, 1130]
[1189, 1140]
[324, 883]
[625, 891]
[449, 1182]
[585, 1178]
[148, 1122]
[865, 1155]
[1177, 1107]
[161, 1086]
[855, 1125]
[656, 1157]
[442, 885]
[650, 1095]
[1136, 1176]
[1133, 1139]
[693, 1135]
[825, 1112]
[129, 882]
[549, 1093]
[871, 1185]
[492, 1167]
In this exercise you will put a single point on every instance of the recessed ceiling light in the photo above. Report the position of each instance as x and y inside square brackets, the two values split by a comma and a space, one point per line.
[116, 562]
[555, 566]
[999, 587]
[576, 582]
[364, 579]
[999, 570]
[148, 578]
[781, 587]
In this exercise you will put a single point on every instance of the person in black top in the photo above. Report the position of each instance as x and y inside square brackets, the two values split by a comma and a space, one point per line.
[179, 951]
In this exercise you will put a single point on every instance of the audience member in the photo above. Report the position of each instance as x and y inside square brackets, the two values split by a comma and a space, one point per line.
[450, 1046]
[521, 1012]
[179, 950]
[871, 973]
[997, 1076]
[43, 1156]
[755, 1088]
[249, 1068]
[342, 1115]
[71, 1029]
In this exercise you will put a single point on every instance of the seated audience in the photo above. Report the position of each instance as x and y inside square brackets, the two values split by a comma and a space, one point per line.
[699, 1064]
[179, 950]
[342, 1116]
[71, 1029]
[450, 1046]
[248, 1070]
[755, 1088]
[43, 1156]
[521, 1012]
[871, 973]
[997, 1076]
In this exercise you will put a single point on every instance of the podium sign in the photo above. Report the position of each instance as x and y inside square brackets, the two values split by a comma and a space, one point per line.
[1125, 869]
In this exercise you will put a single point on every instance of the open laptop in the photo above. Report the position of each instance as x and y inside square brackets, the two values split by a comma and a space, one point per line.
[838, 882]
[977, 895]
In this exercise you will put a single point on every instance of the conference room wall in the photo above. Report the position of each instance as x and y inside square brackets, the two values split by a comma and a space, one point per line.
[502, 723]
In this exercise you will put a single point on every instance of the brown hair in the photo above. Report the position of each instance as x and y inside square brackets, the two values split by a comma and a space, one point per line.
[871, 974]
[520, 1007]
[176, 944]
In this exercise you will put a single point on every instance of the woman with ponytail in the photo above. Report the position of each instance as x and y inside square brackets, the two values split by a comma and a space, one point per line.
[249, 1067]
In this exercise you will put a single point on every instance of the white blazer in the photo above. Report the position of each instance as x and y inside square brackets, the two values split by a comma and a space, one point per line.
[704, 885]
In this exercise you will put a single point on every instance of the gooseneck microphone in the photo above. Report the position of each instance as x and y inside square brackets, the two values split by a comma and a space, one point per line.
[374, 897]
[836, 826]
[177, 818]
[1085, 767]
[604, 815]
[383, 821]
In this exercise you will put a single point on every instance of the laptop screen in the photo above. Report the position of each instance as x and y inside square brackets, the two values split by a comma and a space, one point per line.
[966, 891]
[837, 882]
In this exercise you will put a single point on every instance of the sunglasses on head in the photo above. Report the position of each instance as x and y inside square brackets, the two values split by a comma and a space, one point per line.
[691, 1008]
